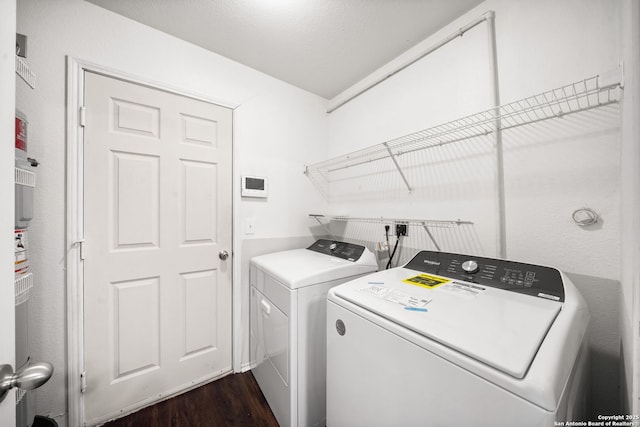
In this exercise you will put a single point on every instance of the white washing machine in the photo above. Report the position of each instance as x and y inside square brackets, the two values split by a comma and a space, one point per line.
[454, 340]
[288, 324]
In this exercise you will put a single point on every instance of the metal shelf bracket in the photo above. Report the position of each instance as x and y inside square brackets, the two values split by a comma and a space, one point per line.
[395, 162]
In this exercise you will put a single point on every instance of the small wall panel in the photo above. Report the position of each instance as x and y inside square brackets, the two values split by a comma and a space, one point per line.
[135, 200]
[200, 131]
[137, 119]
[136, 326]
[199, 201]
[199, 308]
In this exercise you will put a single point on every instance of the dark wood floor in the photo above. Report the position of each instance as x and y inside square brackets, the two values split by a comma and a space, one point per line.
[235, 400]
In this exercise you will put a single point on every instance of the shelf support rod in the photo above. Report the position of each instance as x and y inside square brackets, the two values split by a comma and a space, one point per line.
[395, 162]
[501, 242]
[433, 240]
[409, 62]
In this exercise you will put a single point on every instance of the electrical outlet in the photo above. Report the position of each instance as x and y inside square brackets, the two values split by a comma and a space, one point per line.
[401, 229]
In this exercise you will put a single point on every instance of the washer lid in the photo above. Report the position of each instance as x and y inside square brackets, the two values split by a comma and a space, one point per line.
[499, 328]
[303, 267]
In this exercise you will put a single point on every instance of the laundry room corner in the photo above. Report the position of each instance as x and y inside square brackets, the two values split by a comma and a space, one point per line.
[508, 138]
[554, 170]
[604, 341]
[277, 219]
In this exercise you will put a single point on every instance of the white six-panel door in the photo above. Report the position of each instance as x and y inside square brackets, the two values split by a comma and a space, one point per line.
[157, 209]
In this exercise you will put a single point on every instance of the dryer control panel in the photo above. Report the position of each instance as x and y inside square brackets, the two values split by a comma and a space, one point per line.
[343, 250]
[535, 280]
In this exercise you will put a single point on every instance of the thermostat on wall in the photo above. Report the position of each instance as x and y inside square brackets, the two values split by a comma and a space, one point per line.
[254, 186]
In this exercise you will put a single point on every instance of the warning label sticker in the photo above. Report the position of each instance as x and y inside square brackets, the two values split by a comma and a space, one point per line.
[397, 297]
[426, 281]
[464, 289]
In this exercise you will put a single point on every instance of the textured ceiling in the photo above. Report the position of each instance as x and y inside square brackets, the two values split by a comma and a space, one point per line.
[322, 46]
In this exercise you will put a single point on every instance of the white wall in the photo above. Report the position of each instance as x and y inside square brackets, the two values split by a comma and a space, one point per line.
[448, 182]
[541, 45]
[277, 129]
[551, 168]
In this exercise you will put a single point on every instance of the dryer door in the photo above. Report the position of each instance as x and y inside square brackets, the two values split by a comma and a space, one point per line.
[270, 350]
[269, 335]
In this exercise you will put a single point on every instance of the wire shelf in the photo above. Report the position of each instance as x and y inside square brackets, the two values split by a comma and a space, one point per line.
[20, 394]
[438, 234]
[23, 285]
[383, 220]
[24, 177]
[582, 95]
[23, 70]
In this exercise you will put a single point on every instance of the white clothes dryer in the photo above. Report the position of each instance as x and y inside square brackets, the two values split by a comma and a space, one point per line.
[288, 324]
[455, 340]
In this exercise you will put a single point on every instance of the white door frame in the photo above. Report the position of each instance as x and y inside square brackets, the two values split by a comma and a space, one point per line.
[7, 155]
[75, 225]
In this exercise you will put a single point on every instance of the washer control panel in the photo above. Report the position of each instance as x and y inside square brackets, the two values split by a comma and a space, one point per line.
[535, 280]
[343, 250]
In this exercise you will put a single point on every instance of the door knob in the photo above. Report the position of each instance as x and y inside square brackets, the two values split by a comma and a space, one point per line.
[27, 378]
[223, 255]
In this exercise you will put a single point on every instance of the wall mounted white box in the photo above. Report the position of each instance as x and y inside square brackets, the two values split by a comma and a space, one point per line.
[254, 186]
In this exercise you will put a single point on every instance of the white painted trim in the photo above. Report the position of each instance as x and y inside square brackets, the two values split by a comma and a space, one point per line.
[75, 343]
[236, 264]
[75, 224]
[154, 84]
[632, 94]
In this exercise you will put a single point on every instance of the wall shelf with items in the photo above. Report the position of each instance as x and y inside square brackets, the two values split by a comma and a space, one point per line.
[579, 96]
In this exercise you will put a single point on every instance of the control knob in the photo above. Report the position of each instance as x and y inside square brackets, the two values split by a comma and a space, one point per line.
[470, 266]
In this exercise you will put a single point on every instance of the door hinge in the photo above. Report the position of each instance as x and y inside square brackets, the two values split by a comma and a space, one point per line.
[82, 117]
[80, 244]
[83, 382]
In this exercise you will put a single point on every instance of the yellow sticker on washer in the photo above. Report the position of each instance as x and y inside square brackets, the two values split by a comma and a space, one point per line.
[426, 281]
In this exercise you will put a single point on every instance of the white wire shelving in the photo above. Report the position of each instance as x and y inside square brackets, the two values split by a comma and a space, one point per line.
[384, 220]
[586, 94]
[24, 177]
[428, 225]
[25, 73]
[23, 285]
